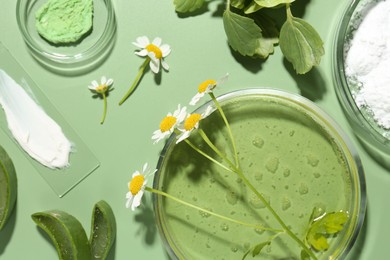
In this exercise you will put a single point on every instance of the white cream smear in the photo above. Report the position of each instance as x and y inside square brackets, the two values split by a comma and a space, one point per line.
[38, 134]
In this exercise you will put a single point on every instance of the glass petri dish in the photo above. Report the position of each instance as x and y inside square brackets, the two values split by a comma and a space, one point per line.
[375, 138]
[289, 149]
[72, 58]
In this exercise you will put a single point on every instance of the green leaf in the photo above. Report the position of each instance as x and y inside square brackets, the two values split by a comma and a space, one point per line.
[334, 222]
[8, 187]
[245, 36]
[300, 44]
[239, 4]
[252, 7]
[184, 6]
[103, 230]
[257, 249]
[320, 229]
[272, 3]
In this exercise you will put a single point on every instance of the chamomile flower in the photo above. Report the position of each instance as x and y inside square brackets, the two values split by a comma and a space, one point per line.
[168, 124]
[207, 87]
[102, 89]
[155, 54]
[154, 50]
[192, 122]
[137, 186]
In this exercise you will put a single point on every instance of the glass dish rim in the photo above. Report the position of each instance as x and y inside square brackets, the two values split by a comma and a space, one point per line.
[360, 186]
[362, 128]
[61, 61]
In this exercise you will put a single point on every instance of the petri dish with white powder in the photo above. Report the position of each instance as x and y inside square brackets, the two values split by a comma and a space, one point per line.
[361, 62]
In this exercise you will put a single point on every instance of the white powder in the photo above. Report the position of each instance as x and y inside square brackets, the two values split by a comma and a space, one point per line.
[39, 135]
[368, 62]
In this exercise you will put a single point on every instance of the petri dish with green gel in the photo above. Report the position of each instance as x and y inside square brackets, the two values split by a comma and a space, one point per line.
[293, 153]
[82, 161]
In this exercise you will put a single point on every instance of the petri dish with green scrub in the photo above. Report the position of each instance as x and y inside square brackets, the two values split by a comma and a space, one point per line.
[61, 44]
[290, 151]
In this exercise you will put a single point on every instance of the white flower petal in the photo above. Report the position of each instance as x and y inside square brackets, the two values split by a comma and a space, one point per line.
[136, 173]
[196, 98]
[223, 79]
[137, 200]
[165, 65]
[141, 53]
[145, 167]
[95, 83]
[157, 41]
[130, 199]
[142, 42]
[103, 80]
[165, 49]
[183, 136]
[154, 66]
[109, 82]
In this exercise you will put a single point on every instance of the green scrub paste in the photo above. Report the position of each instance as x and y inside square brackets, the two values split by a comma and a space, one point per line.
[64, 21]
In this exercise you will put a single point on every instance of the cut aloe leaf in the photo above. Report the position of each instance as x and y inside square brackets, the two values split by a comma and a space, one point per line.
[66, 232]
[103, 230]
[8, 187]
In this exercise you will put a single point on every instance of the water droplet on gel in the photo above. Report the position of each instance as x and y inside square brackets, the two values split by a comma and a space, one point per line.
[259, 231]
[286, 172]
[312, 160]
[258, 176]
[234, 248]
[317, 175]
[258, 142]
[231, 197]
[256, 203]
[224, 227]
[291, 133]
[204, 214]
[303, 188]
[272, 164]
[286, 203]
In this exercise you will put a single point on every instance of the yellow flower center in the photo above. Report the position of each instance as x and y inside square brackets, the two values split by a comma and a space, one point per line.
[203, 86]
[101, 88]
[191, 121]
[156, 50]
[167, 123]
[136, 184]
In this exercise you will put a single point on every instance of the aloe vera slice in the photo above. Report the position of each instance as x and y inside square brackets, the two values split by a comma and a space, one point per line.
[66, 232]
[8, 187]
[103, 230]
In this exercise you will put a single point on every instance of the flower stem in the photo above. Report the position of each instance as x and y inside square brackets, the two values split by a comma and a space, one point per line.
[136, 81]
[210, 212]
[206, 155]
[227, 126]
[104, 108]
[215, 149]
[277, 217]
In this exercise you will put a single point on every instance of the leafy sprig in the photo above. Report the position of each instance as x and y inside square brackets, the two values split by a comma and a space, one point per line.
[323, 227]
[251, 32]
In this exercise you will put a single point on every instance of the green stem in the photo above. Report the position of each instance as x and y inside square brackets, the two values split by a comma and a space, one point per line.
[210, 212]
[136, 81]
[104, 108]
[273, 212]
[214, 148]
[206, 155]
[227, 126]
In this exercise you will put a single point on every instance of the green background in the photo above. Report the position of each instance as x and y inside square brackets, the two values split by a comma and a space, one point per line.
[123, 143]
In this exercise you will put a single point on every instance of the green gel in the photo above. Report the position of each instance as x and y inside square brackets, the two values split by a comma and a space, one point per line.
[64, 21]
